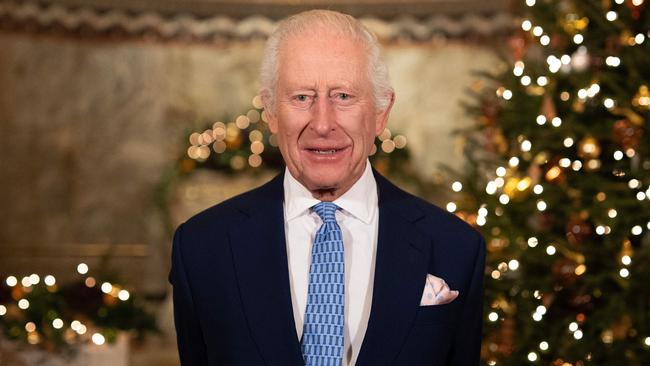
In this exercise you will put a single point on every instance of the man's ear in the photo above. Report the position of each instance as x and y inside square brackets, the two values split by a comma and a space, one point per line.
[269, 114]
[382, 116]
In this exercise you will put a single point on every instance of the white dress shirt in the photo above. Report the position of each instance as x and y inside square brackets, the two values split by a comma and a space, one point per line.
[358, 219]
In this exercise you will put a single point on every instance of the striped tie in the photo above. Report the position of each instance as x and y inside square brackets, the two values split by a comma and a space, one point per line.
[322, 343]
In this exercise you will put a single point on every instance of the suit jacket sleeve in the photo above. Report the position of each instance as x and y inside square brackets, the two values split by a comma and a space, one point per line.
[191, 346]
[467, 342]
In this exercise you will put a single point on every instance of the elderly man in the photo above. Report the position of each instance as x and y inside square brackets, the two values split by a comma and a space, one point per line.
[328, 263]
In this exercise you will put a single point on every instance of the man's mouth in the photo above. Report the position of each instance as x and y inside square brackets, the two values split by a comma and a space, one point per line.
[325, 151]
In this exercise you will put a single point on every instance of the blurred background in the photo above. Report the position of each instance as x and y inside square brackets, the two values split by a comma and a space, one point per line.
[121, 119]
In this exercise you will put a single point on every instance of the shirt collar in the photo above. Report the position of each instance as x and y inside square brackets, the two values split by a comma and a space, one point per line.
[360, 200]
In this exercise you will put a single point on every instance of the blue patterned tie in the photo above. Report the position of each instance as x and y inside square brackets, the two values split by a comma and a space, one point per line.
[322, 342]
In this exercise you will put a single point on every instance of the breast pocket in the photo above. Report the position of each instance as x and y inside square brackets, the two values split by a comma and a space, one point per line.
[444, 314]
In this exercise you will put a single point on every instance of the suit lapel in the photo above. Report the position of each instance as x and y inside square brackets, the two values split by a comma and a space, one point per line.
[260, 257]
[400, 275]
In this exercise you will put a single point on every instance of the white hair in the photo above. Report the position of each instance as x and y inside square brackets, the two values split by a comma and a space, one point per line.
[333, 22]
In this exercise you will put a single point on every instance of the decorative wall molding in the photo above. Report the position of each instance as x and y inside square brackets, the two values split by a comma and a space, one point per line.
[37, 16]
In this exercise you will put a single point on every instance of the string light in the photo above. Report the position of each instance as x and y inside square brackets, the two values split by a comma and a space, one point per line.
[49, 280]
[556, 122]
[624, 272]
[123, 295]
[532, 242]
[457, 186]
[538, 31]
[637, 230]
[11, 281]
[543, 346]
[493, 316]
[23, 304]
[550, 250]
[568, 142]
[608, 103]
[526, 25]
[82, 268]
[538, 189]
[541, 120]
[451, 207]
[611, 15]
[618, 155]
[106, 287]
[612, 61]
[57, 323]
[532, 357]
[578, 38]
[3, 310]
[34, 279]
[98, 339]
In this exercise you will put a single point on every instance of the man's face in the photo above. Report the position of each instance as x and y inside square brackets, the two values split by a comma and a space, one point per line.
[325, 117]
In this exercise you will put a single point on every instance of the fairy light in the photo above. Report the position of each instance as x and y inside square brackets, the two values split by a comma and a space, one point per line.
[525, 80]
[481, 220]
[611, 15]
[600, 230]
[457, 186]
[75, 325]
[57, 323]
[637, 230]
[493, 316]
[49, 280]
[123, 295]
[538, 31]
[30, 327]
[504, 199]
[550, 250]
[513, 264]
[451, 207]
[98, 339]
[593, 90]
[545, 40]
[34, 279]
[491, 188]
[573, 326]
[582, 93]
[541, 205]
[556, 121]
[513, 162]
[507, 94]
[482, 211]
[3, 310]
[565, 162]
[526, 145]
[82, 268]
[639, 38]
[577, 334]
[613, 61]
[576, 165]
[23, 304]
[612, 213]
[532, 356]
[640, 196]
[537, 317]
[554, 63]
[25, 282]
[626, 260]
[646, 341]
[630, 153]
[538, 189]
[608, 103]
[106, 287]
[526, 25]
[501, 171]
[542, 81]
[578, 38]
[541, 120]
[532, 242]
[624, 272]
[568, 142]
[543, 346]
[518, 70]
[11, 281]
[530, 2]
[618, 155]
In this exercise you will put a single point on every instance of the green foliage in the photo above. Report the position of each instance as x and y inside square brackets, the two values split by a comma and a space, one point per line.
[567, 216]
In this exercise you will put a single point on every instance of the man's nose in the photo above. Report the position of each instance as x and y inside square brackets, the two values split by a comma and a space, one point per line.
[322, 121]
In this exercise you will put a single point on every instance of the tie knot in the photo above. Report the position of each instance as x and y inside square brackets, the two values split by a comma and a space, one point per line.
[326, 211]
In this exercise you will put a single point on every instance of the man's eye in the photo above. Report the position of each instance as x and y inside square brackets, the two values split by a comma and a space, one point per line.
[344, 96]
[302, 98]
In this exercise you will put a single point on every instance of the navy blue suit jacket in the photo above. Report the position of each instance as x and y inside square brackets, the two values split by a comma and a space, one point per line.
[232, 299]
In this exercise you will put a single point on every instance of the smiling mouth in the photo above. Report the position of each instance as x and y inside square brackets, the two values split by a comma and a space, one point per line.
[325, 152]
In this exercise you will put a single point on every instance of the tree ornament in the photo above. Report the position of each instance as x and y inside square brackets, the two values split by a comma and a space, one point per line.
[577, 230]
[564, 271]
[627, 134]
[588, 148]
[548, 107]
[580, 59]
[641, 99]
[636, 7]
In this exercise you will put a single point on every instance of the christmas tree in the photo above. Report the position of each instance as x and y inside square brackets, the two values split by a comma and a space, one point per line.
[558, 182]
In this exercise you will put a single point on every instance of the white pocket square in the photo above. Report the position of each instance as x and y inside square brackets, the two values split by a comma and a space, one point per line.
[437, 292]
